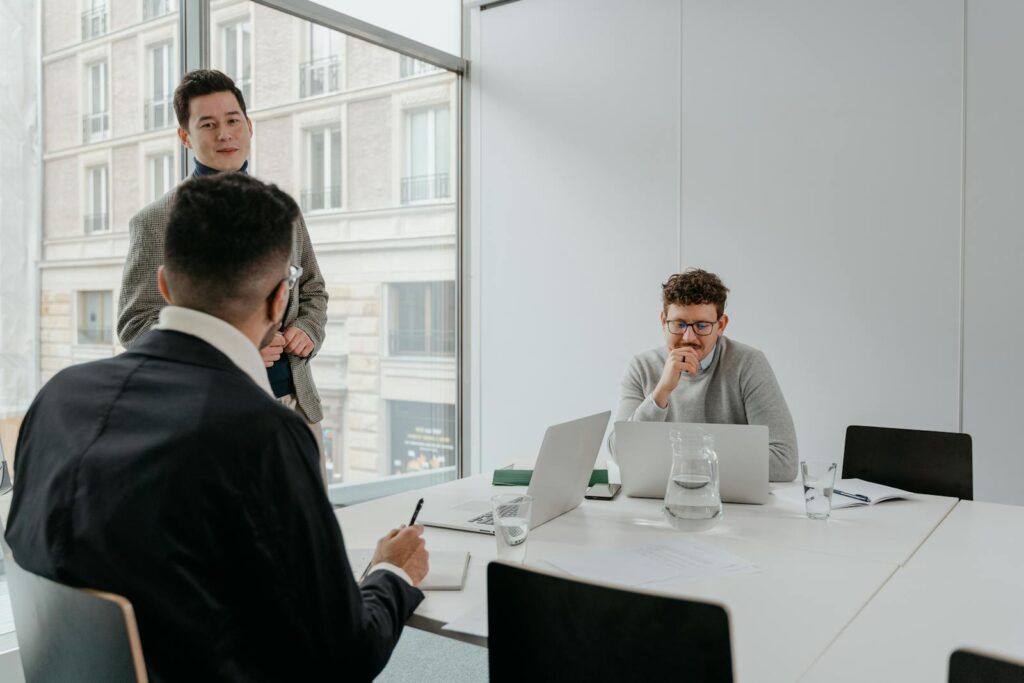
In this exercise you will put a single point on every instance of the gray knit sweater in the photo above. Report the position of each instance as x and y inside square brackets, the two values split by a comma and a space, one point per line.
[738, 387]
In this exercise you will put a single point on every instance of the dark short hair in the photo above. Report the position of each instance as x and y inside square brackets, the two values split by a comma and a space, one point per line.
[202, 82]
[226, 234]
[694, 287]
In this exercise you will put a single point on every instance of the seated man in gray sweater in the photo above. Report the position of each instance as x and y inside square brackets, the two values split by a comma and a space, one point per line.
[700, 375]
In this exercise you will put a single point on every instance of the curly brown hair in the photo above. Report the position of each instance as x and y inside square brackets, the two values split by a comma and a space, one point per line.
[695, 287]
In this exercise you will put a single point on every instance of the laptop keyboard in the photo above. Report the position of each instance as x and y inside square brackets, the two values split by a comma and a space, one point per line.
[488, 518]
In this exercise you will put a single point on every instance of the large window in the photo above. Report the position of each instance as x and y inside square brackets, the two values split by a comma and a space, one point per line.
[422, 319]
[321, 74]
[427, 165]
[94, 19]
[159, 107]
[237, 57]
[161, 175]
[340, 124]
[97, 217]
[324, 155]
[95, 318]
[97, 120]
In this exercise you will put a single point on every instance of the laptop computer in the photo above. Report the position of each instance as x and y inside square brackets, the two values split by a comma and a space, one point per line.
[644, 457]
[564, 464]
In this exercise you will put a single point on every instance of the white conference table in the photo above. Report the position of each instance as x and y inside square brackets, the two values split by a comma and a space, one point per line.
[814, 577]
[963, 588]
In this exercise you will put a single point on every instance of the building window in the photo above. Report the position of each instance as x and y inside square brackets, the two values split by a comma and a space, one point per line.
[421, 319]
[238, 57]
[427, 169]
[321, 75]
[409, 66]
[422, 436]
[159, 107]
[95, 318]
[97, 121]
[94, 19]
[96, 216]
[161, 175]
[152, 9]
[323, 190]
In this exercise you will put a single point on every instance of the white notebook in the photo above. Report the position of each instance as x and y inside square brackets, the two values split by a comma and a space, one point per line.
[860, 492]
[867, 493]
[447, 568]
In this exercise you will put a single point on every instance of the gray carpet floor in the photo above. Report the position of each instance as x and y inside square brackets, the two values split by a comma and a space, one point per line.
[423, 657]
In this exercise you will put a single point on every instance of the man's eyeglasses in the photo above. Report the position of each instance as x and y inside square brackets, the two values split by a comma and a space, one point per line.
[294, 273]
[701, 328]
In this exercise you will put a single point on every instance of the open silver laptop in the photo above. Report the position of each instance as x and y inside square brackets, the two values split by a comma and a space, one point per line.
[644, 457]
[566, 459]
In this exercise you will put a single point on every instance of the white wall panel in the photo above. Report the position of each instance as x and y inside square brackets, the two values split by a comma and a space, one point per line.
[578, 206]
[821, 177]
[994, 266]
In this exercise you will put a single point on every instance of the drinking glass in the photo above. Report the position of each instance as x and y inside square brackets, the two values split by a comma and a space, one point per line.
[511, 524]
[819, 479]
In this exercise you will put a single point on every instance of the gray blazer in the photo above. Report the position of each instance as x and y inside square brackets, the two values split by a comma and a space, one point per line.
[140, 301]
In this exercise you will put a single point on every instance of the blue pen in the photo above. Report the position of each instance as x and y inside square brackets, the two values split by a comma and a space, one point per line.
[855, 496]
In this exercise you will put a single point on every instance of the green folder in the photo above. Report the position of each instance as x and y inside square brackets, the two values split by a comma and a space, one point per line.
[522, 477]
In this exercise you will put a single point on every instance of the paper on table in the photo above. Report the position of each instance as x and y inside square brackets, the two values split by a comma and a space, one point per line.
[654, 563]
[794, 495]
[447, 568]
[473, 622]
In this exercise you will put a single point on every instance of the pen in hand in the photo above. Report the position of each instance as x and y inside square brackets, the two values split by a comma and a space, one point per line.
[415, 514]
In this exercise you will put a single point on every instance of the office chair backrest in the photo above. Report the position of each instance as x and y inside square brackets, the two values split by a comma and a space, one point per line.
[72, 634]
[937, 463]
[971, 666]
[544, 627]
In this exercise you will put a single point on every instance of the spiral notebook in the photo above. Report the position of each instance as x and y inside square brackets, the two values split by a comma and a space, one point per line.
[447, 568]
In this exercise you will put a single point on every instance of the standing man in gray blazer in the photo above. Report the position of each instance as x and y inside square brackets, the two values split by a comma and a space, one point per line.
[213, 123]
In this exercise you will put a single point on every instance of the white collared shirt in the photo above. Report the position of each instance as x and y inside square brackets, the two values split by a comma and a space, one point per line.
[221, 335]
[240, 350]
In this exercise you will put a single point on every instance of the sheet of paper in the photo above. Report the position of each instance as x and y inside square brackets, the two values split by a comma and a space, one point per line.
[447, 568]
[473, 622]
[655, 563]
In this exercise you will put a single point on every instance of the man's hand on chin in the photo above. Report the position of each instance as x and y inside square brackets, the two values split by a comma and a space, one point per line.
[680, 359]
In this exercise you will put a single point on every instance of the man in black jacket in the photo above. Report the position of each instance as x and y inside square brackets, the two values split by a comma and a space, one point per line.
[170, 475]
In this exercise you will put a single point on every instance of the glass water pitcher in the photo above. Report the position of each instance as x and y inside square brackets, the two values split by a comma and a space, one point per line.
[692, 500]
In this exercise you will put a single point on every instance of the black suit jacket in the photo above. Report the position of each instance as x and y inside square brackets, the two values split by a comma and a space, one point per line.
[168, 476]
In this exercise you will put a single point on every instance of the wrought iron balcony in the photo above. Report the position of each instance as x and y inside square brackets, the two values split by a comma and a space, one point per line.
[410, 342]
[425, 187]
[320, 76]
[321, 198]
[96, 126]
[96, 223]
[159, 114]
[94, 23]
[152, 9]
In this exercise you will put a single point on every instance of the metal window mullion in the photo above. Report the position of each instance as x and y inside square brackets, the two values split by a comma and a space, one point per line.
[343, 23]
[194, 49]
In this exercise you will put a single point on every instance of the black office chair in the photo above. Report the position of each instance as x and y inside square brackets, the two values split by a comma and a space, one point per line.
[937, 463]
[970, 666]
[544, 627]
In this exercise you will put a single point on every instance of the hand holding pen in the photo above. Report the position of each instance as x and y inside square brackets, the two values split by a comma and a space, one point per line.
[405, 548]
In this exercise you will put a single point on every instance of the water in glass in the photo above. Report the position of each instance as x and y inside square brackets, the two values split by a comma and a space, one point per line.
[692, 500]
[511, 525]
[819, 480]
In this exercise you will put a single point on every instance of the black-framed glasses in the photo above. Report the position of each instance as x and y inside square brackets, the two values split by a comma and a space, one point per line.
[294, 273]
[701, 328]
